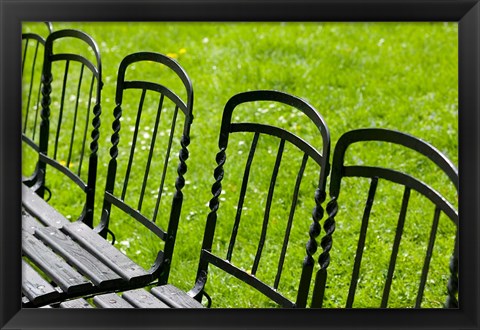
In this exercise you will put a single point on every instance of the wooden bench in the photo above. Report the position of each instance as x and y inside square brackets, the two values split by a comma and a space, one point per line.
[168, 296]
[71, 255]
[64, 259]
[72, 265]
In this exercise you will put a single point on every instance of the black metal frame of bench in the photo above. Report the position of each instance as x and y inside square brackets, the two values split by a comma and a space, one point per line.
[168, 296]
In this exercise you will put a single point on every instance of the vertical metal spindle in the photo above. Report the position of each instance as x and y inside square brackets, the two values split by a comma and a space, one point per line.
[428, 257]
[36, 110]
[395, 248]
[24, 54]
[165, 165]
[134, 142]
[241, 198]
[60, 113]
[75, 114]
[290, 220]
[89, 103]
[361, 242]
[268, 206]
[30, 88]
[150, 154]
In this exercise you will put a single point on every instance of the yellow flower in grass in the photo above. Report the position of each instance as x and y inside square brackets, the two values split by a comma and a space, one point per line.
[64, 163]
[182, 51]
[172, 55]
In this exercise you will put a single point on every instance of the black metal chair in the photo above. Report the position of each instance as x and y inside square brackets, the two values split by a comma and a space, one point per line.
[412, 188]
[148, 202]
[71, 93]
[33, 45]
[286, 140]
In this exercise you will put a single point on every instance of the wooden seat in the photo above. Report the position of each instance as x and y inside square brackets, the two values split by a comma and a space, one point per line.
[165, 296]
[414, 204]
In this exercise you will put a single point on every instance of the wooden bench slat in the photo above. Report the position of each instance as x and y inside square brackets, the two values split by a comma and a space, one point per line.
[29, 223]
[76, 303]
[39, 208]
[175, 297]
[107, 253]
[55, 267]
[35, 287]
[102, 276]
[141, 298]
[110, 300]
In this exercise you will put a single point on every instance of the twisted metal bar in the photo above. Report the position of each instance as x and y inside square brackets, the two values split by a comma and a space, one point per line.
[97, 110]
[182, 166]
[214, 204]
[218, 174]
[46, 90]
[324, 258]
[102, 228]
[315, 228]
[452, 286]
[45, 113]
[329, 227]
[92, 170]
[175, 211]
[115, 139]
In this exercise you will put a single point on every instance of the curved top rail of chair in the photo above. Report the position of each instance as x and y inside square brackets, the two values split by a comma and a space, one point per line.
[79, 35]
[392, 136]
[159, 58]
[273, 95]
[35, 36]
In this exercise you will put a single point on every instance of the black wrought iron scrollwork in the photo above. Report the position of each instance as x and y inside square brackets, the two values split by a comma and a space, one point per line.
[97, 110]
[329, 228]
[115, 139]
[88, 216]
[45, 103]
[182, 166]
[324, 257]
[218, 174]
[452, 286]
[315, 228]
[46, 91]
[214, 205]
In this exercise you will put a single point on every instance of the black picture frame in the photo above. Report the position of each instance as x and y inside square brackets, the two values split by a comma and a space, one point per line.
[13, 12]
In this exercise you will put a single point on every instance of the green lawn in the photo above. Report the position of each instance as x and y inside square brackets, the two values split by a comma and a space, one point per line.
[401, 76]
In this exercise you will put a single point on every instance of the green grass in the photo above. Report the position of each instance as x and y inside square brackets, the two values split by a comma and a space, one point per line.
[401, 76]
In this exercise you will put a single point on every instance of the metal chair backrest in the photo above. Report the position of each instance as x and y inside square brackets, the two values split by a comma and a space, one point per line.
[138, 182]
[289, 143]
[415, 191]
[33, 45]
[71, 93]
